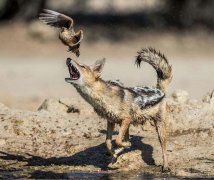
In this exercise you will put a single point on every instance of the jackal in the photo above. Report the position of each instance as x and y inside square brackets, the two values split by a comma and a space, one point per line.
[123, 105]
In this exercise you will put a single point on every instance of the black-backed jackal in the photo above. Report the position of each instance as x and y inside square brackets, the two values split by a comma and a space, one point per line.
[123, 105]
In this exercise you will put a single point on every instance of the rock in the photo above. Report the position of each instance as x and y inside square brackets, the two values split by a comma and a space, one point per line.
[212, 98]
[53, 106]
[193, 102]
[183, 173]
[2, 107]
[87, 135]
[2, 142]
[170, 147]
[71, 108]
[209, 98]
[180, 96]
[77, 106]
[203, 135]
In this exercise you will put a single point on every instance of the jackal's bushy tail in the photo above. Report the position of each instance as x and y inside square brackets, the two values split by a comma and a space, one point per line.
[159, 62]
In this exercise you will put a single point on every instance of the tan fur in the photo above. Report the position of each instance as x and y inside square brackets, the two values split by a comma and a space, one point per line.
[159, 63]
[117, 103]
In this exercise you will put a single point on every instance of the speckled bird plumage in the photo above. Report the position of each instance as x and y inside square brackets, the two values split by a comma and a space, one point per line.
[67, 34]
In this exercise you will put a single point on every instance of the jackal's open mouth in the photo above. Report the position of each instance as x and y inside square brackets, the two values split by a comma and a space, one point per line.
[74, 73]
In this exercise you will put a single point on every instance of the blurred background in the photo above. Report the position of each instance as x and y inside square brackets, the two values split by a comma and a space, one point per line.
[32, 59]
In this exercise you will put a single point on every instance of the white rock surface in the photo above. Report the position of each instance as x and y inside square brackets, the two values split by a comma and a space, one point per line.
[180, 96]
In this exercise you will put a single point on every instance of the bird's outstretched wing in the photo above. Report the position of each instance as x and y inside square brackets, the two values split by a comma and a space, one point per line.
[56, 19]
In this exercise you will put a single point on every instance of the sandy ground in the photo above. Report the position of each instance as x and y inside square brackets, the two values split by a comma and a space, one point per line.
[52, 143]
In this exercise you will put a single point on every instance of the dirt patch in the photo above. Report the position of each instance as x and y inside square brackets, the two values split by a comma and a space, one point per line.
[54, 141]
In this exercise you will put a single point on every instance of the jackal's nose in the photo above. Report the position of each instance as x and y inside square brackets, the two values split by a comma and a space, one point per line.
[68, 61]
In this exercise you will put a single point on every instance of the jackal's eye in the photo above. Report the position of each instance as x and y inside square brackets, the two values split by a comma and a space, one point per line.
[82, 66]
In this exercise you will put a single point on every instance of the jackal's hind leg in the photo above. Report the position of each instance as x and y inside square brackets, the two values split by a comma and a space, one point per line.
[123, 134]
[162, 136]
[109, 133]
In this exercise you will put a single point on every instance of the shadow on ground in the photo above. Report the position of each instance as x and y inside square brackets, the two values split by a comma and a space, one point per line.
[94, 156]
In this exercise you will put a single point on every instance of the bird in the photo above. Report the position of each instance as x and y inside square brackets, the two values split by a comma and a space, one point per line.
[67, 34]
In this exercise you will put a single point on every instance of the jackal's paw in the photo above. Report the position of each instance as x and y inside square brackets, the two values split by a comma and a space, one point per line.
[125, 145]
[116, 154]
[114, 159]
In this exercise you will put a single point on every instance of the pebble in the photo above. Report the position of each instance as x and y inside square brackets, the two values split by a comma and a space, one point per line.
[180, 96]
[183, 173]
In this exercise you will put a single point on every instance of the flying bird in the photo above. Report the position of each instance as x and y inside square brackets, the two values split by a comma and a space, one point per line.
[67, 34]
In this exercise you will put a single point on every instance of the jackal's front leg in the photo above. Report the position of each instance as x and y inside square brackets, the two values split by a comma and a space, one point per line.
[121, 149]
[109, 133]
[123, 134]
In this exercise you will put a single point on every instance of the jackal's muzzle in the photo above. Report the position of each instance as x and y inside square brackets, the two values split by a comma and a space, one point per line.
[73, 71]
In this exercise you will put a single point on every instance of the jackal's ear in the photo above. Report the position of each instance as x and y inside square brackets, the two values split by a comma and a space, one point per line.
[98, 65]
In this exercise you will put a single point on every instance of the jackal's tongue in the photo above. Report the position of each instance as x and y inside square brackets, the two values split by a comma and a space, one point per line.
[74, 74]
